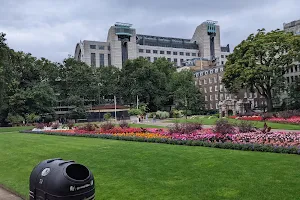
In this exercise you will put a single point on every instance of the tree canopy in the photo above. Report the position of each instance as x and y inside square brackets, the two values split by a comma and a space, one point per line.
[260, 62]
[32, 87]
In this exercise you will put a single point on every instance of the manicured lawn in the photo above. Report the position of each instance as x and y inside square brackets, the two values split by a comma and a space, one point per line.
[212, 121]
[131, 125]
[133, 170]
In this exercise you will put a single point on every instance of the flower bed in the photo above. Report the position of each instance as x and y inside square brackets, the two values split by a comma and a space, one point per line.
[256, 141]
[292, 120]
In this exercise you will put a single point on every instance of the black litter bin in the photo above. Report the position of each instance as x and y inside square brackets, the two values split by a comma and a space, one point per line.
[57, 179]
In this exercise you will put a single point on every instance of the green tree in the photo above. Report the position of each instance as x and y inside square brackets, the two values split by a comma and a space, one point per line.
[259, 63]
[185, 94]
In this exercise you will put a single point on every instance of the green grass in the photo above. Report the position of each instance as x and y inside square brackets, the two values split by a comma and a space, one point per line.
[131, 125]
[132, 170]
[13, 129]
[212, 121]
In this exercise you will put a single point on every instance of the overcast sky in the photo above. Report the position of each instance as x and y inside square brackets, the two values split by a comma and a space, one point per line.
[51, 28]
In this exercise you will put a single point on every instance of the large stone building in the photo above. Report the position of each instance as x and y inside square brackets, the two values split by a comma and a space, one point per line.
[124, 43]
[293, 73]
[209, 79]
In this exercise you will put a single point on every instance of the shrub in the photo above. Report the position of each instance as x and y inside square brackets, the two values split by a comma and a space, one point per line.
[55, 125]
[89, 127]
[245, 126]
[162, 114]
[134, 111]
[289, 113]
[40, 125]
[32, 118]
[107, 126]
[176, 113]
[266, 116]
[107, 116]
[186, 128]
[124, 124]
[15, 119]
[223, 126]
[71, 124]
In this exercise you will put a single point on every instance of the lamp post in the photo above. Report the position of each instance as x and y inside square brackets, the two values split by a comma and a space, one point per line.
[99, 85]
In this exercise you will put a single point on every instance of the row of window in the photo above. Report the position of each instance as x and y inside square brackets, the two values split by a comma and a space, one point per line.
[292, 79]
[294, 69]
[101, 59]
[211, 89]
[222, 56]
[210, 80]
[206, 72]
[100, 47]
[167, 52]
[169, 59]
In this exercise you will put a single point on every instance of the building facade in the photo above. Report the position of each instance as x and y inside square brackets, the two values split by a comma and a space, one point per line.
[209, 81]
[293, 73]
[124, 43]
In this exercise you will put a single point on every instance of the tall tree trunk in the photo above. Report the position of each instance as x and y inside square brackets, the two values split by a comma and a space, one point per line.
[269, 104]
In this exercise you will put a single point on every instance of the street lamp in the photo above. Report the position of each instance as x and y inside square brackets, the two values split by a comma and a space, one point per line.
[99, 85]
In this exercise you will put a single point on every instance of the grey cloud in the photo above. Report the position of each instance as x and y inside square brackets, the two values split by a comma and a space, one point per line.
[51, 28]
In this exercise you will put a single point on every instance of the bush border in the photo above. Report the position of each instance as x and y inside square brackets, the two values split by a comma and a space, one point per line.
[220, 145]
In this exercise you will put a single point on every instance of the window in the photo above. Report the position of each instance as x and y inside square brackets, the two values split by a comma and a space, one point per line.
[221, 97]
[155, 58]
[216, 70]
[181, 53]
[216, 88]
[226, 56]
[175, 60]
[149, 59]
[109, 60]
[154, 51]
[148, 51]
[141, 50]
[206, 72]
[221, 69]
[101, 47]
[292, 70]
[205, 98]
[169, 52]
[211, 71]
[217, 106]
[292, 79]
[162, 52]
[221, 88]
[216, 97]
[205, 82]
[296, 68]
[210, 89]
[215, 79]
[209, 80]
[174, 53]
[200, 82]
[205, 91]
[101, 58]
[93, 59]
[222, 62]
[210, 97]
[181, 61]
[187, 54]
[93, 46]
[193, 54]
[169, 59]
[288, 79]
[222, 56]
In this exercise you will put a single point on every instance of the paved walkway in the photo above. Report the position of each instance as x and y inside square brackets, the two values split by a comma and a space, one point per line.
[6, 195]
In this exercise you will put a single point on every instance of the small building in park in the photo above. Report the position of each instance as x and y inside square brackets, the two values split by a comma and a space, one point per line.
[96, 113]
